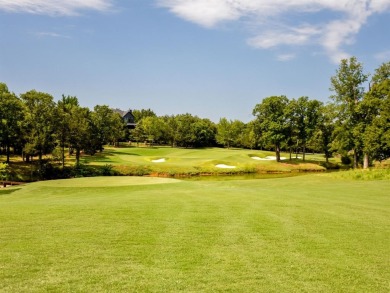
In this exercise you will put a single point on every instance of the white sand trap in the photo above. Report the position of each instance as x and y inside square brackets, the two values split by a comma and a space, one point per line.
[268, 158]
[162, 160]
[225, 166]
[274, 158]
[259, 159]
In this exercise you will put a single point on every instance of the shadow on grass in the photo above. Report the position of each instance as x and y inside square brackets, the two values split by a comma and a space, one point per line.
[6, 191]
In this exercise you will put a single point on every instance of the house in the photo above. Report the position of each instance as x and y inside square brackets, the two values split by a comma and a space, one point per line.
[129, 119]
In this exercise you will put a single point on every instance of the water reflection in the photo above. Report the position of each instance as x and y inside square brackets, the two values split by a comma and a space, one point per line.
[244, 176]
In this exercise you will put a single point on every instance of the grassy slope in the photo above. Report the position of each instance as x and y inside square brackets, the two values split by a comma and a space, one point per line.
[301, 234]
[179, 160]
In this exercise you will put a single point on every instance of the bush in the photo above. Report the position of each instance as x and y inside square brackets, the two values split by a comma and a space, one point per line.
[346, 160]
[4, 171]
[107, 170]
[47, 170]
[82, 170]
[329, 166]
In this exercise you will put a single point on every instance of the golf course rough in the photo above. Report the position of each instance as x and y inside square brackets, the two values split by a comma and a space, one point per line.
[310, 233]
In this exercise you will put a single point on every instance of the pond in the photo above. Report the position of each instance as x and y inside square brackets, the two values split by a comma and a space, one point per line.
[249, 176]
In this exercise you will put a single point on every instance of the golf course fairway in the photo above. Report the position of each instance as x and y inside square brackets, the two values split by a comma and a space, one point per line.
[310, 233]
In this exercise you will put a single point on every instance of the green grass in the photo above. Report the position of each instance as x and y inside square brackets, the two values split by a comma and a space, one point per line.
[180, 161]
[311, 233]
[363, 174]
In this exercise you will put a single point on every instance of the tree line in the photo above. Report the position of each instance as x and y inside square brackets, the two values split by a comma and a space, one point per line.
[355, 123]
[33, 125]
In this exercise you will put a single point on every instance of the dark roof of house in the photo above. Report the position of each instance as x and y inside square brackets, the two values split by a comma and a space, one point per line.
[128, 117]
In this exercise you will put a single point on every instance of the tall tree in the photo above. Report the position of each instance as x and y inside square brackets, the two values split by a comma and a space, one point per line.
[322, 136]
[271, 116]
[11, 117]
[376, 110]
[65, 120]
[39, 123]
[251, 135]
[348, 87]
[204, 131]
[82, 132]
[151, 129]
[305, 113]
[224, 132]
[185, 134]
[108, 126]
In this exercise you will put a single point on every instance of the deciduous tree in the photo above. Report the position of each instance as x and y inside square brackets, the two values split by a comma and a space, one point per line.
[271, 116]
[11, 118]
[347, 84]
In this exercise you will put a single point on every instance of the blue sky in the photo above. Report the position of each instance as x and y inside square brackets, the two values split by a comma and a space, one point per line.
[211, 58]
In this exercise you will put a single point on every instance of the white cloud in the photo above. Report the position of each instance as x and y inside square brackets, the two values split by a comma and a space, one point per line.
[278, 22]
[284, 36]
[204, 12]
[285, 57]
[51, 34]
[54, 7]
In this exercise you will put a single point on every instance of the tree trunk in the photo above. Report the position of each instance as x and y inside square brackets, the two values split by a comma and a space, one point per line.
[303, 151]
[277, 149]
[63, 156]
[77, 156]
[8, 151]
[355, 159]
[365, 161]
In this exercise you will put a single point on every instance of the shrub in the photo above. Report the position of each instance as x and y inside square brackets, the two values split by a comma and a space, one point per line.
[107, 170]
[346, 160]
[82, 170]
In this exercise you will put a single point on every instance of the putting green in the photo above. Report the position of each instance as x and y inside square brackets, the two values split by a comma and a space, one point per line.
[105, 181]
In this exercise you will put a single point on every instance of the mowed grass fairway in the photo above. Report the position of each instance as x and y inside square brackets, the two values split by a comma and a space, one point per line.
[310, 233]
[181, 161]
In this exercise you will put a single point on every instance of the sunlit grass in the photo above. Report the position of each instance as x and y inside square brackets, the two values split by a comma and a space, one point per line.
[361, 174]
[139, 160]
[311, 233]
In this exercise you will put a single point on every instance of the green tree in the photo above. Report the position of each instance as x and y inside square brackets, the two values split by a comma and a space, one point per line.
[375, 109]
[204, 131]
[81, 131]
[39, 126]
[11, 118]
[251, 135]
[224, 132]
[271, 116]
[151, 128]
[321, 139]
[305, 116]
[143, 113]
[107, 126]
[171, 133]
[65, 120]
[348, 87]
[186, 137]
[4, 171]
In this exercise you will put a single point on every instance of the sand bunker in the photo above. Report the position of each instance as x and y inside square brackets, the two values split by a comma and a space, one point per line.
[162, 160]
[268, 158]
[225, 166]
